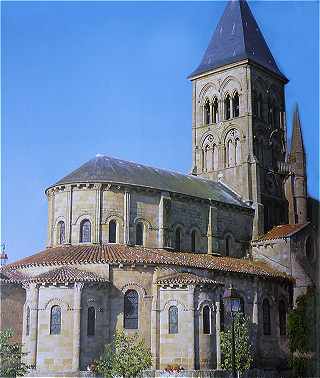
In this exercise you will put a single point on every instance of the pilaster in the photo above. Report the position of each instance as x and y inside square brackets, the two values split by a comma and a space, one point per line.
[164, 217]
[213, 241]
[218, 340]
[76, 326]
[69, 216]
[126, 216]
[155, 327]
[33, 335]
[191, 349]
[97, 233]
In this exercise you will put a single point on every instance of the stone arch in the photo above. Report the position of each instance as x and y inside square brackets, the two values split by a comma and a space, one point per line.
[228, 237]
[212, 138]
[145, 221]
[206, 302]
[142, 293]
[116, 217]
[83, 217]
[206, 89]
[174, 302]
[232, 146]
[228, 80]
[56, 302]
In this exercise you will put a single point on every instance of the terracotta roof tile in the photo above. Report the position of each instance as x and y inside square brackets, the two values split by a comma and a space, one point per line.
[11, 276]
[282, 231]
[185, 278]
[116, 254]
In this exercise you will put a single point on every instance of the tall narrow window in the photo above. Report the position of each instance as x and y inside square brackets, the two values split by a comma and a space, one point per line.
[206, 320]
[207, 158]
[215, 110]
[139, 233]
[91, 323]
[28, 321]
[131, 310]
[282, 318]
[227, 110]
[112, 231]
[237, 148]
[55, 320]
[230, 153]
[173, 319]
[235, 105]
[61, 232]
[178, 239]
[266, 317]
[193, 240]
[85, 231]
[215, 157]
[228, 245]
[207, 112]
[260, 107]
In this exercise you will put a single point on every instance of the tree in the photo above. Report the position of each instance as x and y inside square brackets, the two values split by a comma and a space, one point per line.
[243, 355]
[10, 356]
[126, 356]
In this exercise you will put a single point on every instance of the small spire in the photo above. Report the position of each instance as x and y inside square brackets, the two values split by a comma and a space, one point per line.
[3, 255]
[297, 139]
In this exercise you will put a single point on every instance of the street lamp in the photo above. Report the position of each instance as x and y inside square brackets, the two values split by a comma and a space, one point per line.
[233, 304]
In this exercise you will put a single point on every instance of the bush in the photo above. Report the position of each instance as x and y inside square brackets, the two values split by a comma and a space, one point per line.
[126, 356]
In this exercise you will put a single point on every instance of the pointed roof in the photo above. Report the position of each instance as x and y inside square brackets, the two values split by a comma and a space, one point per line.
[297, 139]
[237, 37]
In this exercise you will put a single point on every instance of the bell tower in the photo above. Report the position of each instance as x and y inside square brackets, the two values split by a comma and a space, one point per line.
[238, 116]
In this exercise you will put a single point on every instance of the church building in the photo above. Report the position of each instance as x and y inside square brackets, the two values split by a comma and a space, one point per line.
[152, 251]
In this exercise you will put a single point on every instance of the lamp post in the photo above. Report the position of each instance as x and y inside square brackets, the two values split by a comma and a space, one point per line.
[233, 303]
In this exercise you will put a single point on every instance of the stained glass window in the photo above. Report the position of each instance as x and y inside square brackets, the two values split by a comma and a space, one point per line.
[55, 320]
[61, 232]
[139, 234]
[131, 309]
[178, 240]
[193, 240]
[266, 317]
[112, 231]
[85, 231]
[173, 319]
[91, 324]
[28, 321]
[206, 320]
[282, 318]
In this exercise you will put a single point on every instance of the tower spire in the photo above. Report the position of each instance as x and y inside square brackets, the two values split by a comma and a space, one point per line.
[297, 145]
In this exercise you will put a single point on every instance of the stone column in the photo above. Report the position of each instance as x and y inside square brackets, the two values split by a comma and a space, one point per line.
[69, 216]
[50, 195]
[218, 334]
[155, 327]
[126, 216]
[97, 238]
[213, 243]
[33, 338]
[191, 350]
[164, 214]
[76, 325]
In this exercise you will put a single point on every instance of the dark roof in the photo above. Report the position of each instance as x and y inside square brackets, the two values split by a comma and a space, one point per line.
[282, 231]
[237, 37]
[297, 139]
[184, 278]
[122, 254]
[110, 170]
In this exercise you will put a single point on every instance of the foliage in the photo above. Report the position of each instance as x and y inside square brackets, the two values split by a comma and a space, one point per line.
[126, 356]
[301, 334]
[10, 356]
[243, 355]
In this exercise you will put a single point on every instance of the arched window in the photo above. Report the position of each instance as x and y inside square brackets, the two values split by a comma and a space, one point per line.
[85, 231]
[282, 318]
[28, 321]
[61, 232]
[235, 105]
[131, 309]
[228, 245]
[173, 319]
[206, 314]
[193, 240]
[215, 110]
[215, 158]
[55, 320]
[238, 149]
[91, 323]
[207, 112]
[310, 249]
[227, 110]
[112, 231]
[207, 158]
[178, 239]
[260, 107]
[266, 317]
[230, 153]
[232, 148]
[139, 233]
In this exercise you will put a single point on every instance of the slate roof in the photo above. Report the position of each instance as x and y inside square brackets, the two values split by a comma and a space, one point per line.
[184, 278]
[282, 231]
[122, 254]
[105, 169]
[237, 37]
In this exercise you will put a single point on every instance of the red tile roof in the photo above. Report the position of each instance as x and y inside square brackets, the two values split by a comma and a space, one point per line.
[67, 274]
[186, 279]
[122, 254]
[11, 276]
[282, 231]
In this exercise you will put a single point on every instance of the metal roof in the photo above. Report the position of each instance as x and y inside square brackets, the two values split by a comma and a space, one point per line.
[105, 169]
[237, 37]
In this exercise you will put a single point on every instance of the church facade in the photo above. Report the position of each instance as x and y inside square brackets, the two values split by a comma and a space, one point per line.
[151, 251]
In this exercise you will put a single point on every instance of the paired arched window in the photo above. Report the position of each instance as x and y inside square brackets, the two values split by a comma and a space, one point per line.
[207, 112]
[173, 319]
[235, 105]
[177, 242]
[206, 317]
[282, 318]
[233, 148]
[139, 233]
[131, 309]
[55, 320]
[91, 321]
[193, 240]
[112, 231]
[28, 321]
[310, 249]
[266, 317]
[228, 245]
[227, 107]
[85, 231]
[61, 232]
[215, 109]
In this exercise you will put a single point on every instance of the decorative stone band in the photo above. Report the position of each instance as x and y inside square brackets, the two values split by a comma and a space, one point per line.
[186, 279]
[117, 254]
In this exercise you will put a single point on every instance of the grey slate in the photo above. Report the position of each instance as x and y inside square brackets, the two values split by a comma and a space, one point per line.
[105, 169]
[237, 37]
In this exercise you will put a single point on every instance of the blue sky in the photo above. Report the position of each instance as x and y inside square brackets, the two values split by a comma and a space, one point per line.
[81, 78]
